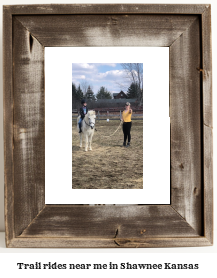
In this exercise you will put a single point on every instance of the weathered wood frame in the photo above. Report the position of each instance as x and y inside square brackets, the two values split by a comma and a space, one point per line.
[186, 30]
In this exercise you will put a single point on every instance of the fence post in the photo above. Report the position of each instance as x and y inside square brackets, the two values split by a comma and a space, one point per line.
[98, 116]
[120, 114]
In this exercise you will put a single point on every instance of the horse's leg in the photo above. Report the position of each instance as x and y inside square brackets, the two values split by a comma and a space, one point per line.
[90, 141]
[80, 135]
[86, 142]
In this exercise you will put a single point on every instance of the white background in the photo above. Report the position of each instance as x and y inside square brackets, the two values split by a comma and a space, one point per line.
[114, 258]
[206, 256]
[58, 125]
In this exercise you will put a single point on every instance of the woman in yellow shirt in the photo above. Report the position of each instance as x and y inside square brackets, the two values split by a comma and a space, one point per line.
[126, 118]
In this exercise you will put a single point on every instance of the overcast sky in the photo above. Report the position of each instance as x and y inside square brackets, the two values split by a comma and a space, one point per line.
[111, 76]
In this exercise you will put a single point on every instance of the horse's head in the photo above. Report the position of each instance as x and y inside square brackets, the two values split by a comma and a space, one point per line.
[91, 116]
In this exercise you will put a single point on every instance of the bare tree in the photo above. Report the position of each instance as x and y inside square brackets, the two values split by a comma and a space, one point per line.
[84, 86]
[134, 71]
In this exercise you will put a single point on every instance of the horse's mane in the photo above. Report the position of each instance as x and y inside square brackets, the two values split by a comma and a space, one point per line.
[89, 113]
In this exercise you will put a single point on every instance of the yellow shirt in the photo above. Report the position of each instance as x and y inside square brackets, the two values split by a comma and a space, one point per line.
[126, 116]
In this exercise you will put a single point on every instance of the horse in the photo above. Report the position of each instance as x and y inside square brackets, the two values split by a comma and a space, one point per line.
[87, 127]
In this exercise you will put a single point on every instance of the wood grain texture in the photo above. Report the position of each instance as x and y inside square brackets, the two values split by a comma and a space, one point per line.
[207, 67]
[29, 132]
[185, 113]
[107, 9]
[107, 30]
[109, 222]
[208, 182]
[186, 30]
[8, 125]
[207, 123]
[62, 242]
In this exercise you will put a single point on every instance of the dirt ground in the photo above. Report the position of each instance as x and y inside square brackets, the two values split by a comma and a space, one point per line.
[108, 165]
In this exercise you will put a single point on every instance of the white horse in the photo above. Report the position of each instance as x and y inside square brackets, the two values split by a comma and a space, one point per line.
[87, 127]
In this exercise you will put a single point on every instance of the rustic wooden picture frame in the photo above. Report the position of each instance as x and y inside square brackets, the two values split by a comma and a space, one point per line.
[186, 30]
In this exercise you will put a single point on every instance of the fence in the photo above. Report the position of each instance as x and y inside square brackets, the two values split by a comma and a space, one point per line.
[115, 110]
[103, 114]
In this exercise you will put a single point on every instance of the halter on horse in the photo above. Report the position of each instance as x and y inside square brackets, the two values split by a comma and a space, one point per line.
[91, 124]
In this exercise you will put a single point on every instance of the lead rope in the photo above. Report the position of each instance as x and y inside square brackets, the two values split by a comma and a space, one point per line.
[113, 132]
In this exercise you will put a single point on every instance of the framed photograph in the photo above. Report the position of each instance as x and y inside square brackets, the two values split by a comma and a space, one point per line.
[99, 176]
[167, 152]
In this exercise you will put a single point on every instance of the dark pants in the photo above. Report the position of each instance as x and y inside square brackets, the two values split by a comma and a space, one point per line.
[126, 131]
